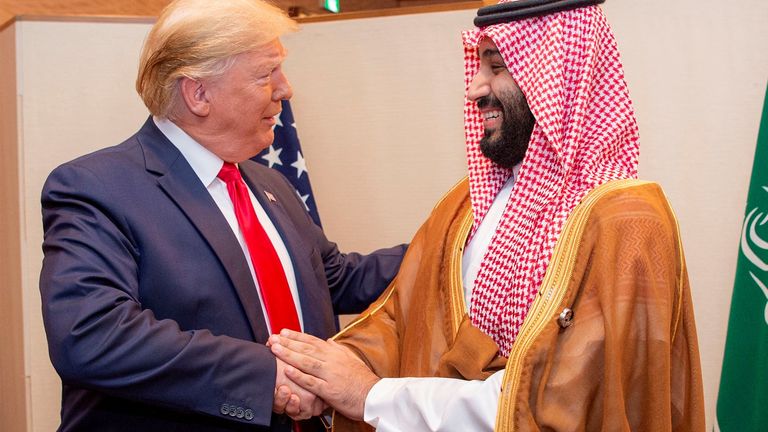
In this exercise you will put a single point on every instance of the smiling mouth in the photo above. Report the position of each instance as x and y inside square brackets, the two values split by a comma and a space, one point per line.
[492, 120]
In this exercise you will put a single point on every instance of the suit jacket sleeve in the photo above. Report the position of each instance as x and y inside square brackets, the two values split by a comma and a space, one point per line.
[100, 337]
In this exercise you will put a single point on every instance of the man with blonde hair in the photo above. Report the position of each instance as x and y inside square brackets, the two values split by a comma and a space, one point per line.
[171, 258]
[548, 290]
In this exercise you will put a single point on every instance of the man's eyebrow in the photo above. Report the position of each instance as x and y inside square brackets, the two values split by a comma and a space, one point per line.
[489, 52]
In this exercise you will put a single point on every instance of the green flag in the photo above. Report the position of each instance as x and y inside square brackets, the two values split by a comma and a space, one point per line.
[742, 403]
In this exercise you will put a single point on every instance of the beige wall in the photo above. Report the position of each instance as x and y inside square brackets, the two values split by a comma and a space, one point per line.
[378, 108]
[378, 105]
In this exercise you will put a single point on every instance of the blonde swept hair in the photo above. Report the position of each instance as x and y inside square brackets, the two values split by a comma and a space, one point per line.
[199, 39]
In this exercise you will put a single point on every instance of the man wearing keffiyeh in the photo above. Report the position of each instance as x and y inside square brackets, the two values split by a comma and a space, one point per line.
[548, 290]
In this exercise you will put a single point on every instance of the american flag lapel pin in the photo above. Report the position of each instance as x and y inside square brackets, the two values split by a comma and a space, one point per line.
[270, 197]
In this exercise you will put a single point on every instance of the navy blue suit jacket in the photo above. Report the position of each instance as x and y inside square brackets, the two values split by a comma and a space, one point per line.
[151, 313]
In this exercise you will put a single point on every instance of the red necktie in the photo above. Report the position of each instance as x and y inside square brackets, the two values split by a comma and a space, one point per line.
[269, 271]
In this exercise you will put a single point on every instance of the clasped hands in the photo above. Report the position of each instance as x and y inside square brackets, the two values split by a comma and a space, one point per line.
[313, 374]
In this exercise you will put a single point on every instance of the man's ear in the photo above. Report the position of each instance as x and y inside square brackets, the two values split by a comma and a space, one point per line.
[193, 92]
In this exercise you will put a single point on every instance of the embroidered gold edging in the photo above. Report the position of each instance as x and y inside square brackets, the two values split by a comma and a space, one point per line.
[551, 294]
[681, 275]
[450, 191]
[458, 304]
[363, 317]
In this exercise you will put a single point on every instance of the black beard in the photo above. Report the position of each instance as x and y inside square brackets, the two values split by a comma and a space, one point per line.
[507, 147]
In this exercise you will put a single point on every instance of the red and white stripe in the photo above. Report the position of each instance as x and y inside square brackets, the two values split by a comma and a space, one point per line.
[567, 65]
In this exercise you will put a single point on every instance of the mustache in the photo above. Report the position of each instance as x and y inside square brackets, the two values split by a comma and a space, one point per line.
[489, 101]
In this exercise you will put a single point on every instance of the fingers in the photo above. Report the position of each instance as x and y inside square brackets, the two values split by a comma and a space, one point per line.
[282, 396]
[306, 381]
[342, 380]
[293, 408]
[346, 390]
[318, 407]
[301, 361]
[301, 404]
[291, 398]
[310, 364]
[309, 404]
[347, 352]
[300, 337]
[294, 345]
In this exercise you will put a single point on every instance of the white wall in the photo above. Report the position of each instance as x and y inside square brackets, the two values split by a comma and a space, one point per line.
[378, 106]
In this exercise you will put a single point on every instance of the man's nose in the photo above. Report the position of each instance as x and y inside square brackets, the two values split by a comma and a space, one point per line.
[283, 89]
[479, 87]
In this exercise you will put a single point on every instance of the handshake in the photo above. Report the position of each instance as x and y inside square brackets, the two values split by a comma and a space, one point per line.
[313, 374]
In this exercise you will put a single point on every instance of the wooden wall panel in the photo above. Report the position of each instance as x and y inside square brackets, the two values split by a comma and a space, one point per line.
[67, 8]
[85, 7]
[5, 16]
[13, 411]
[305, 10]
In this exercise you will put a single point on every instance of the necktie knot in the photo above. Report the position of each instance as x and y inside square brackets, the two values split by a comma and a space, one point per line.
[229, 173]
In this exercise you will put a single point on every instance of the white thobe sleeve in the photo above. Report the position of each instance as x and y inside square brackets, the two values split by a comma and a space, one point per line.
[433, 404]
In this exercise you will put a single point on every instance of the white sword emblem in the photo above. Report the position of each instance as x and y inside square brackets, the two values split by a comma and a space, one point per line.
[749, 232]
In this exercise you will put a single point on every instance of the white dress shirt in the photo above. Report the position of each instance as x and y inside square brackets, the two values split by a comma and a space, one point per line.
[445, 404]
[207, 166]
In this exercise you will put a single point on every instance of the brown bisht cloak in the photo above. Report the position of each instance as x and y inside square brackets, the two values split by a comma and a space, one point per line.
[626, 358]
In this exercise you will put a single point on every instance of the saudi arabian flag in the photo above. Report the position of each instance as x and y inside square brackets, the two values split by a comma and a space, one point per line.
[742, 403]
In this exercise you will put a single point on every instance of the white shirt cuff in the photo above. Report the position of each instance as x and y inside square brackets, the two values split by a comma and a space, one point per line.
[433, 404]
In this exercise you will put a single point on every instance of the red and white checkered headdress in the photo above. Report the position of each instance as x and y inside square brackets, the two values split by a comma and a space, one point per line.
[567, 66]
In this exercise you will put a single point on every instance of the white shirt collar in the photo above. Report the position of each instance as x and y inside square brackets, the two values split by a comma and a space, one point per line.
[515, 171]
[205, 164]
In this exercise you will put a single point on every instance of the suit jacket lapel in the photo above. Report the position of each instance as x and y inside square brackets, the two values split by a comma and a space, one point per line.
[314, 317]
[182, 185]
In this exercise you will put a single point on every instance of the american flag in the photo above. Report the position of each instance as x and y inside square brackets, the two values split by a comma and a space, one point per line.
[285, 156]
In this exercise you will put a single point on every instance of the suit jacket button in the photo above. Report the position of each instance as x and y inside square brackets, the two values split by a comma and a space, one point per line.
[224, 409]
[240, 412]
[248, 414]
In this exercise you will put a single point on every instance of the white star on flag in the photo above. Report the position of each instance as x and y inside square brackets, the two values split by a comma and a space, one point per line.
[273, 157]
[278, 122]
[304, 200]
[286, 149]
[300, 165]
